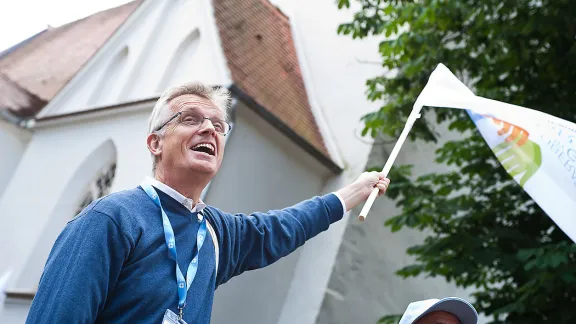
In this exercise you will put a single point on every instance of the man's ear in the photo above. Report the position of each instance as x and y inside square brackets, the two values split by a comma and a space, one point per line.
[154, 144]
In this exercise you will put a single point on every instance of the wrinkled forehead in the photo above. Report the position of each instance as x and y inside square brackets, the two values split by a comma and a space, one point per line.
[198, 103]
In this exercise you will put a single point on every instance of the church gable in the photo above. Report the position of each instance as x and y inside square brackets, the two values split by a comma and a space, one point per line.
[245, 45]
[161, 44]
[42, 65]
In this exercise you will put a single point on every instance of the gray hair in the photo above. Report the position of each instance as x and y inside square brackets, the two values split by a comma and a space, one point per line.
[161, 112]
[220, 96]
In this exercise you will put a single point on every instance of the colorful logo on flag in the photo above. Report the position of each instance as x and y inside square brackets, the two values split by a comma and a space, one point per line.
[519, 155]
[540, 155]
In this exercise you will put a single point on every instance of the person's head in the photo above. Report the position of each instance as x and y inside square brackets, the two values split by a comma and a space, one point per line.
[450, 310]
[186, 130]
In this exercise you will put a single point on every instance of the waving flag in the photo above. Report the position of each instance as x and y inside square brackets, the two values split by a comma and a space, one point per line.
[537, 150]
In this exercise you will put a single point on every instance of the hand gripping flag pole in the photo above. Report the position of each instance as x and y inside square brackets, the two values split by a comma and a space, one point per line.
[414, 115]
[441, 85]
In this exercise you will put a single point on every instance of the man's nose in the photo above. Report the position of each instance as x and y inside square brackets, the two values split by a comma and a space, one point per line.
[207, 127]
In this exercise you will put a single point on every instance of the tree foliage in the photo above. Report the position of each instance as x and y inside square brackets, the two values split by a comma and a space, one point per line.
[486, 232]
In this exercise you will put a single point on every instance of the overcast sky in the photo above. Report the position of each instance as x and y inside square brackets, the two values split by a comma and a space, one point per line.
[20, 19]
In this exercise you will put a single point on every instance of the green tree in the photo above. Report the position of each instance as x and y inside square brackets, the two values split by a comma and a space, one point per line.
[487, 233]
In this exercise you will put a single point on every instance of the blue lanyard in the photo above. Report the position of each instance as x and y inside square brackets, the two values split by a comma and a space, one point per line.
[183, 284]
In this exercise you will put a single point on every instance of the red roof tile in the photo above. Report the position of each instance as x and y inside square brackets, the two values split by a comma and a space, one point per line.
[258, 45]
[44, 64]
[18, 100]
[257, 42]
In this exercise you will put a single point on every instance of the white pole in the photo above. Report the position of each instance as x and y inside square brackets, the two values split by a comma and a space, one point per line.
[415, 114]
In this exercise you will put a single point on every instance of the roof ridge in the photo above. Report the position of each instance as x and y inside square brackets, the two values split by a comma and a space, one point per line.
[23, 42]
[43, 68]
[49, 28]
[101, 12]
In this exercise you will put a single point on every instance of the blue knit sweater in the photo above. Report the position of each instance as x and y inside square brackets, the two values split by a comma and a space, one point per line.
[111, 265]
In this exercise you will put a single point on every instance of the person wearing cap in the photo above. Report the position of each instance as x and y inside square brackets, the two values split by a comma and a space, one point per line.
[449, 310]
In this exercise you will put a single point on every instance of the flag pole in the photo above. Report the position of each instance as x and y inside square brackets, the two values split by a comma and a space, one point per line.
[415, 114]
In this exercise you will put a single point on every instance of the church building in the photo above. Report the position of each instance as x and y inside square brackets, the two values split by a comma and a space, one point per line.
[74, 104]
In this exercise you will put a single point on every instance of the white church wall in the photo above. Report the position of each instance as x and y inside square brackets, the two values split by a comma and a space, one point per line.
[107, 89]
[13, 142]
[48, 179]
[67, 205]
[364, 278]
[177, 47]
[181, 62]
[145, 56]
[15, 311]
[262, 170]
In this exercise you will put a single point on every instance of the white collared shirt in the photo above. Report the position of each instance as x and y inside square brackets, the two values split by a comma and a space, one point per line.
[187, 202]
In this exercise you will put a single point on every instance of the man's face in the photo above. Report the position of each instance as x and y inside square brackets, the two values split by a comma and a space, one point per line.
[439, 317]
[181, 147]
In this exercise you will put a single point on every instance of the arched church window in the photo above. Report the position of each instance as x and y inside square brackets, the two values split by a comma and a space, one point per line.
[98, 187]
[182, 65]
[107, 90]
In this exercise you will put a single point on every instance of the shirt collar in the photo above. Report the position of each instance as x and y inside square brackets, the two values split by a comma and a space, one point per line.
[187, 202]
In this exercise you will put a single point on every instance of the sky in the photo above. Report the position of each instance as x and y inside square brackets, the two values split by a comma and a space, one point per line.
[20, 19]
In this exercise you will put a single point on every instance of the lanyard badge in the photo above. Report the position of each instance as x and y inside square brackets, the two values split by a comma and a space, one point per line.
[183, 283]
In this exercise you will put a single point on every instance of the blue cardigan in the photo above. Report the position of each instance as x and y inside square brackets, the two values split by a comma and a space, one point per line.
[110, 264]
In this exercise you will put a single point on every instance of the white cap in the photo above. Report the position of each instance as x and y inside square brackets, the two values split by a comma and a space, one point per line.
[460, 308]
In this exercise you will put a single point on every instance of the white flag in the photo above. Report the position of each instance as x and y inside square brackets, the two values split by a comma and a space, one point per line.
[538, 150]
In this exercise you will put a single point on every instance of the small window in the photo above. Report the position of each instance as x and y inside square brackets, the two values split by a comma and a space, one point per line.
[182, 65]
[108, 88]
[98, 187]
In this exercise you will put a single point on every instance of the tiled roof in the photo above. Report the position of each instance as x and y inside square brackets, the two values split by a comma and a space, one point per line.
[258, 45]
[45, 63]
[257, 42]
[18, 100]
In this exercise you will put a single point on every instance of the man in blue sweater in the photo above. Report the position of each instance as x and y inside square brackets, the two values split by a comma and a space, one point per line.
[156, 253]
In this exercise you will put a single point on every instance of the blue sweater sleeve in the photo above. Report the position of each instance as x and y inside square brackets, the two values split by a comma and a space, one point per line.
[82, 267]
[254, 241]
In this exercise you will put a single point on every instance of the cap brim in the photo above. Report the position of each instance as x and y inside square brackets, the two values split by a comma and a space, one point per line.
[459, 307]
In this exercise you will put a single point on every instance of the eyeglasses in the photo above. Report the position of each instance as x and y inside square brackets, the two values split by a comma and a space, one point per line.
[194, 118]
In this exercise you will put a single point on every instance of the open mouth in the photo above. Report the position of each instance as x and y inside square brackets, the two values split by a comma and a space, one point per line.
[206, 148]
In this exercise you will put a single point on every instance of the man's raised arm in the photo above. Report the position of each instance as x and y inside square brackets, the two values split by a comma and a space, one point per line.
[257, 240]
